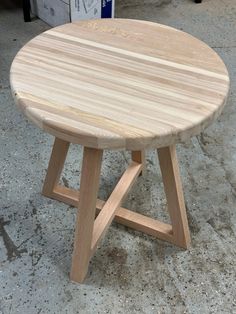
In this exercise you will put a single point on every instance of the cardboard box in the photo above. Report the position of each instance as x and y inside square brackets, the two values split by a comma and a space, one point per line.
[57, 12]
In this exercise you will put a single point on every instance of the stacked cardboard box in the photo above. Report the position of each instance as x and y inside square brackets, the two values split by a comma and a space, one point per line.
[57, 12]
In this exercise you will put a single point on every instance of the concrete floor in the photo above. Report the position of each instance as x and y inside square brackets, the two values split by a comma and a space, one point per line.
[130, 272]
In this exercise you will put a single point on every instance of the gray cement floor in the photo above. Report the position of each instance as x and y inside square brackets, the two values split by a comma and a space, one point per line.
[130, 272]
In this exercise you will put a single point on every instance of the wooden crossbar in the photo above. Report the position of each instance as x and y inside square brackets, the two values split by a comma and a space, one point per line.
[90, 230]
[123, 216]
[107, 213]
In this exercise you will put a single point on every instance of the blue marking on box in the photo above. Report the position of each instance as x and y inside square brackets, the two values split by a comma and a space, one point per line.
[106, 8]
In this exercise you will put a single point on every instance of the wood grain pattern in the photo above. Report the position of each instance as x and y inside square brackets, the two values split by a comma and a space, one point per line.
[89, 231]
[139, 156]
[55, 167]
[174, 195]
[109, 209]
[119, 83]
[89, 185]
[123, 215]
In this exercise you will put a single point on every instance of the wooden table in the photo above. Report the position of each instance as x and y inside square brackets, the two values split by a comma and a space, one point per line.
[118, 84]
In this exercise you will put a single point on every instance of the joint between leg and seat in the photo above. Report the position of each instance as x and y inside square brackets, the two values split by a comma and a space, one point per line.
[139, 157]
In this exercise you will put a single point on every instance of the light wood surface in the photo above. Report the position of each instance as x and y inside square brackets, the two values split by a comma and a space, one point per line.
[119, 83]
[177, 233]
[55, 167]
[109, 209]
[123, 216]
[89, 185]
[139, 156]
[174, 195]
[89, 231]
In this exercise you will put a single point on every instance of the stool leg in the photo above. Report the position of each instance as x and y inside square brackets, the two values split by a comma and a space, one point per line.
[56, 163]
[174, 195]
[89, 185]
[139, 157]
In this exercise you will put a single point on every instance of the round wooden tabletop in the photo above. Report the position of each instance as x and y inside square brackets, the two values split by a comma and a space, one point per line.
[117, 83]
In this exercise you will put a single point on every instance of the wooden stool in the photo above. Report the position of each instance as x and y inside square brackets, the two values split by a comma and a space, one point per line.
[118, 84]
